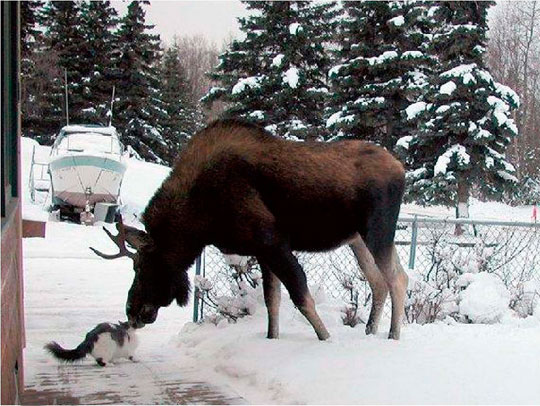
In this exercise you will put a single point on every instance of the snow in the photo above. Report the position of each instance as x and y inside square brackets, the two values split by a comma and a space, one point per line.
[277, 60]
[425, 366]
[295, 28]
[459, 71]
[448, 88]
[411, 55]
[397, 21]
[257, 114]
[383, 58]
[484, 299]
[291, 77]
[414, 109]
[251, 82]
[459, 151]
[404, 142]
[338, 118]
[77, 128]
[334, 71]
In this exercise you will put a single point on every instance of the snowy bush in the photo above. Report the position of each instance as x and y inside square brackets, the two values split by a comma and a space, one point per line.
[484, 298]
[244, 293]
[441, 288]
[350, 313]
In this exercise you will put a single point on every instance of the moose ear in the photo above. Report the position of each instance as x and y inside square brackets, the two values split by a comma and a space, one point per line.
[135, 237]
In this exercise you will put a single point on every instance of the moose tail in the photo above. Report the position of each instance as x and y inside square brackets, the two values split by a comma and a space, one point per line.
[68, 355]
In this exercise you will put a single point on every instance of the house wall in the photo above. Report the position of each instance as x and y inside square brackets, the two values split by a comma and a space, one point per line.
[12, 310]
[12, 318]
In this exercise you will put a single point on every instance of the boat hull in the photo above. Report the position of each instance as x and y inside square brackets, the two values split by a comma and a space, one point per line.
[78, 179]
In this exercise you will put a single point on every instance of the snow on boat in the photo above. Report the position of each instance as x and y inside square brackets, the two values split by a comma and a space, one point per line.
[86, 166]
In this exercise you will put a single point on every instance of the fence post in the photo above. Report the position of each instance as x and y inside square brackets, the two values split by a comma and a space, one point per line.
[196, 299]
[412, 252]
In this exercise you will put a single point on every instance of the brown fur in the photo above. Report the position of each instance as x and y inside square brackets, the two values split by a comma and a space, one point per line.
[247, 192]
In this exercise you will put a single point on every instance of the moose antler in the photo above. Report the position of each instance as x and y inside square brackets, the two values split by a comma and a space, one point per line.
[119, 240]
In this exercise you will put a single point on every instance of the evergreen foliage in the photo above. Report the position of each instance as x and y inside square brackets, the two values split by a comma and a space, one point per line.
[65, 38]
[464, 123]
[138, 108]
[181, 119]
[276, 75]
[383, 65]
[99, 22]
[32, 73]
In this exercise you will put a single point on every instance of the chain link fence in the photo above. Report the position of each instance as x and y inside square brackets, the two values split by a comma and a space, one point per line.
[435, 252]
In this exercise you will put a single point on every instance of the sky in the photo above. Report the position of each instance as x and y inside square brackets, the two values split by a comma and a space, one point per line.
[216, 20]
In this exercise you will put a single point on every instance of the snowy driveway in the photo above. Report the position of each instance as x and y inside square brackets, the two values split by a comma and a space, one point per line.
[68, 290]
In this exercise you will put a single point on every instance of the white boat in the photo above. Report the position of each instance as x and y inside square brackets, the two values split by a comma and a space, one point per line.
[86, 167]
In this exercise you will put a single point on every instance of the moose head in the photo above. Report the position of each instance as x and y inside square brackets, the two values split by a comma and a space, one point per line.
[155, 284]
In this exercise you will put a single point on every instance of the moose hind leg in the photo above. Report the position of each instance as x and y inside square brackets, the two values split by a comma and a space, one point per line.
[272, 299]
[285, 266]
[377, 283]
[398, 290]
[396, 279]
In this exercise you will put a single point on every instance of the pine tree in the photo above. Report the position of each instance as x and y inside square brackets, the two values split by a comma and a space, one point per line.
[31, 75]
[138, 108]
[182, 118]
[382, 67]
[64, 37]
[99, 21]
[276, 75]
[464, 123]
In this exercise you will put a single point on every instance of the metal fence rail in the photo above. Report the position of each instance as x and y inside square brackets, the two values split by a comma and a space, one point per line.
[426, 246]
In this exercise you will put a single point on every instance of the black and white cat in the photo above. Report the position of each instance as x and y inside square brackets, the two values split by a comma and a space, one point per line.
[105, 342]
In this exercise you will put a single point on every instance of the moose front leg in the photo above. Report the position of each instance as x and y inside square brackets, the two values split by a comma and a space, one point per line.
[272, 299]
[285, 266]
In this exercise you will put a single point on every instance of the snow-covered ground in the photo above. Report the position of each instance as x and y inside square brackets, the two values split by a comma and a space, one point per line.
[68, 290]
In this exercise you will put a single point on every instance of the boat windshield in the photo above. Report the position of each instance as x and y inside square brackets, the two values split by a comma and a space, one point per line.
[89, 142]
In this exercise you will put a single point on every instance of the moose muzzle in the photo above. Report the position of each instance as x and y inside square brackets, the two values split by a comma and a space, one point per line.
[146, 315]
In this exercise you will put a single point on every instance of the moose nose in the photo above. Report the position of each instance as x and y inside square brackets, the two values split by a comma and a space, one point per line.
[148, 314]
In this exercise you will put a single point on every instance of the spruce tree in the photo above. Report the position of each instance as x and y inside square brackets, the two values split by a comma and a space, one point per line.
[182, 118]
[276, 75]
[99, 21]
[382, 67]
[64, 37]
[31, 77]
[464, 123]
[138, 108]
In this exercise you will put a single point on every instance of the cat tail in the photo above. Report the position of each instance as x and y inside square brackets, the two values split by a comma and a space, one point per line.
[68, 355]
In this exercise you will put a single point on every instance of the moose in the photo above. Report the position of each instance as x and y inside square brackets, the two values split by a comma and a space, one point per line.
[247, 192]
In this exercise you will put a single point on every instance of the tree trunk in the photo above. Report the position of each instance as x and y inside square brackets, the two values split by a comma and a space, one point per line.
[462, 209]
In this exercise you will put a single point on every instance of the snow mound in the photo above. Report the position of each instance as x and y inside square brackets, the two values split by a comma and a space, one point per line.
[485, 298]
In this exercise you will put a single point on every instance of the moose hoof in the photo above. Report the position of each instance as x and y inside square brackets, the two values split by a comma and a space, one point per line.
[323, 336]
[371, 329]
[393, 335]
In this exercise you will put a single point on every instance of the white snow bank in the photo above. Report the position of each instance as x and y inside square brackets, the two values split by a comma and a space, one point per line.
[425, 367]
[485, 298]
[141, 181]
